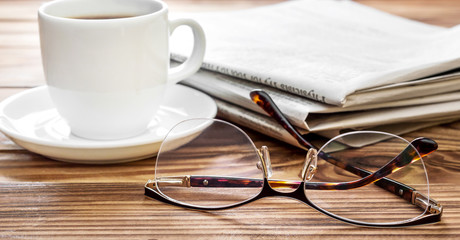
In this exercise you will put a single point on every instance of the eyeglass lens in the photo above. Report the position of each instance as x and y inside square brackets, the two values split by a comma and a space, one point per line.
[367, 152]
[220, 157]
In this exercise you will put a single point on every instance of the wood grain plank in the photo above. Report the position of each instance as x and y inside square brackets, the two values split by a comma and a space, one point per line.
[439, 12]
[21, 67]
[17, 165]
[42, 210]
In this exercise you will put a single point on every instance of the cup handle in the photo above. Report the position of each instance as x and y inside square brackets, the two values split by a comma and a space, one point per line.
[193, 63]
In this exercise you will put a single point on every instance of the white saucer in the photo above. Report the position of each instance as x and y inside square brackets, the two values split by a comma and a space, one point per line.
[31, 121]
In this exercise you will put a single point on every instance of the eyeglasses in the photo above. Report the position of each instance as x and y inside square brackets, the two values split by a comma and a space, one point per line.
[366, 178]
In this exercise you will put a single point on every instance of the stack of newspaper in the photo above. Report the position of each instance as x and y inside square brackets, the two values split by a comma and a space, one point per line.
[331, 66]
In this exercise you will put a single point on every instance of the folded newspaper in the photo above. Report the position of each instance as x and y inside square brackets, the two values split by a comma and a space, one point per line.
[330, 65]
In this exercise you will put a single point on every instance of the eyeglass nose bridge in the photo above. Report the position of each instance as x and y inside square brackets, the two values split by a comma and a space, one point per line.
[309, 167]
[265, 164]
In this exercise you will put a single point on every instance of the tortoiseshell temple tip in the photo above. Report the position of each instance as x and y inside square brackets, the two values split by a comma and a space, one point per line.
[255, 96]
[264, 101]
[425, 146]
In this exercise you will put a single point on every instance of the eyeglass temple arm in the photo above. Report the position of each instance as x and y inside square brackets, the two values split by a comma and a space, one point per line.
[424, 146]
[409, 155]
[408, 193]
[223, 182]
[263, 100]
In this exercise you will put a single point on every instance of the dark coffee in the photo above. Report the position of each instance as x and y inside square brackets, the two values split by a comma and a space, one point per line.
[103, 17]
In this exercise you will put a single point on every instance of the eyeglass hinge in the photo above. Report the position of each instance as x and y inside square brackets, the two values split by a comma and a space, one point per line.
[150, 184]
[309, 167]
[265, 163]
[424, 202]
[182, 181]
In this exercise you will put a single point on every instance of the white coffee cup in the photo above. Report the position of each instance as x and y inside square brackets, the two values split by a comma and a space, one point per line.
[106, 62]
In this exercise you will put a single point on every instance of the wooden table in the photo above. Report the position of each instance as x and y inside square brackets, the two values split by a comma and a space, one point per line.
[42, 198]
